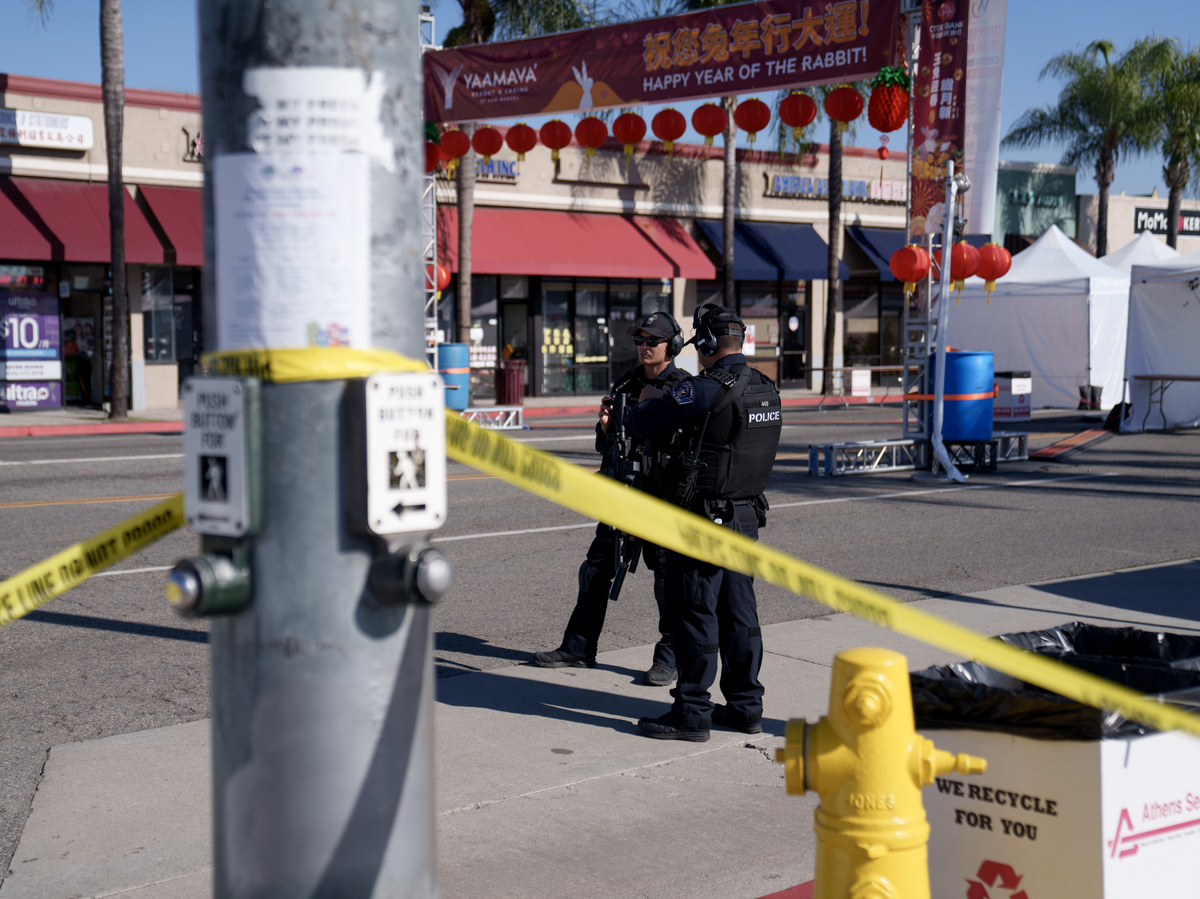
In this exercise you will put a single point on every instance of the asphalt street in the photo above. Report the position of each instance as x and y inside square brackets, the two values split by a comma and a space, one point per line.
[111, 657]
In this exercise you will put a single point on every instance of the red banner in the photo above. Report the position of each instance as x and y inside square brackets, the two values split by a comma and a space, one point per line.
[770, 45]
[939, 109]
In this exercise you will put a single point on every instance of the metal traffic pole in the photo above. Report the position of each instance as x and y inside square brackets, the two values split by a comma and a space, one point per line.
[322, 698]
[953, 186]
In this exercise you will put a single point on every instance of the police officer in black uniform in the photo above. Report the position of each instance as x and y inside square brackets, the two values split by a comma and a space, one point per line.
[731, 420]
[659, 339]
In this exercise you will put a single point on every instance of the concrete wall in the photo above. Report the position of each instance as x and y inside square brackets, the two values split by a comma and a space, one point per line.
[155, 146]
[1121, 220]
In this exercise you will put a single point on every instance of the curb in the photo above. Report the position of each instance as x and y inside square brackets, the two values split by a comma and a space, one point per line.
[801, 402]
[130, 427]
[800, 891]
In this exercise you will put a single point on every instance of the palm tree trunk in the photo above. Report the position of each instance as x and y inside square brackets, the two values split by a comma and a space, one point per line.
[729, 287]
[465, 184]
[112, 64]
[1176, 176]
[1105, 170]
[833, 297]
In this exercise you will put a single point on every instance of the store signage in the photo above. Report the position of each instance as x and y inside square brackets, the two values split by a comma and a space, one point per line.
[738, 49]
[31, 395]
[22, 277]
[32, 337]
[1155, 221]
[21, 128]
[807, 187]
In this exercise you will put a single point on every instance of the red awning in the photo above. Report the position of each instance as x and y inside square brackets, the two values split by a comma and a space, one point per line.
[565, 244]
[20, 237]
[679, 246]
[180, 211]
[75, 214]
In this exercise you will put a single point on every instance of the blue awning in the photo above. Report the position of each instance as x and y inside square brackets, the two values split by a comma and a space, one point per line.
[879, 244]
[766, 251]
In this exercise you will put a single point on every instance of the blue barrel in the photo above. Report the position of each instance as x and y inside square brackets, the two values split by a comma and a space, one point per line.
[967, 373]
[454, 365]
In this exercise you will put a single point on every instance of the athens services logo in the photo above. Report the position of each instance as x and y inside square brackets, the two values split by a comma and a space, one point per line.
[1125, 842]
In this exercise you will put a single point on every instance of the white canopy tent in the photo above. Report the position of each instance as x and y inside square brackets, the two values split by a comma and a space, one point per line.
[1145, 249]
[1059, 314]
[1164, 340]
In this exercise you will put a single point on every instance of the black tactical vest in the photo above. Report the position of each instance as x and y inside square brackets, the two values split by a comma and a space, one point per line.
[739, 435]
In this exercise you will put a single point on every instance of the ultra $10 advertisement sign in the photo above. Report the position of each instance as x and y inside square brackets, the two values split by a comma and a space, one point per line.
[740, 49]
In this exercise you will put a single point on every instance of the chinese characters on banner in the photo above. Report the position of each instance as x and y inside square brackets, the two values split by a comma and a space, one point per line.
[939, 109]
[770, 45]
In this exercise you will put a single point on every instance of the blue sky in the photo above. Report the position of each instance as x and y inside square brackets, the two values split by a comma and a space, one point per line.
[161, 52]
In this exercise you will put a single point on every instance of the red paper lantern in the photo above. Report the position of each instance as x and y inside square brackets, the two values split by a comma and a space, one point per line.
[910, 265]
[629, 128]
[591, 133]
[709, 120]
[797, 111]
[994, 263]
[964, 262]
[668, 127]
[433, 157]
[521, 139]
[888, 109]
[487, 142]
[844, 105]
[438, 277]
[555, 134]
[455, 145]
[752, 116]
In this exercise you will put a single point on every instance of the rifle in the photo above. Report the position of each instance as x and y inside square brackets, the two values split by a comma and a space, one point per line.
[627, 548]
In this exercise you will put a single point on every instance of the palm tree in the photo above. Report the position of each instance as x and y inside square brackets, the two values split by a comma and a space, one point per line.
[112, 81]
[1103, 112]
[1176, 87]
[478, 25]
[483, 20]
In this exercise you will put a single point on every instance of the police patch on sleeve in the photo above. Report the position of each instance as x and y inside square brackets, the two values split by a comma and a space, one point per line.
[684, 392]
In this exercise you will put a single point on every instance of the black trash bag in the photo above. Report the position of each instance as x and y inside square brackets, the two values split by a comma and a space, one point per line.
[970, 696]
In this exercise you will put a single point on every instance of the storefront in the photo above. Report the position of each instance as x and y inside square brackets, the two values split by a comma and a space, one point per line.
[54, 243]
[565, 255]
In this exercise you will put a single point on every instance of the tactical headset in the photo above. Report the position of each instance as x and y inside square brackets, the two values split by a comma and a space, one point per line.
[710, 321]
[675, 344]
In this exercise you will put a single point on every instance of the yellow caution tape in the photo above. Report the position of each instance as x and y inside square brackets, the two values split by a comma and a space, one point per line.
[40, 583]
[643, 516]
[290, 366]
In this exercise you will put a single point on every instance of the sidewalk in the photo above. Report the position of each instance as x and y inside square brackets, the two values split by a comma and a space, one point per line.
[564, 797]
[75, 421]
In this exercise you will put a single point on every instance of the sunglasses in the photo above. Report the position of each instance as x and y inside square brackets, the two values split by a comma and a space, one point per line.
[649, 341]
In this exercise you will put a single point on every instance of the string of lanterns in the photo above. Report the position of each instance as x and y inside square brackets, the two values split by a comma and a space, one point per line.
[888, 111]
[991, 262]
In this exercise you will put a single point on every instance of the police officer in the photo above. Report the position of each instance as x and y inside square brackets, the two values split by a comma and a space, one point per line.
[731, 421]
[658, 339]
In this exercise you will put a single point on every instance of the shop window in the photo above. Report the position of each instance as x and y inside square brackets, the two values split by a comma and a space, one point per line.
[158, 314]
[793, 334]
[591, 337]
[860, 344]
[759, 299]
[557, 341]
[624, 302]
[656, 296]
[710, 292]
[482, 337]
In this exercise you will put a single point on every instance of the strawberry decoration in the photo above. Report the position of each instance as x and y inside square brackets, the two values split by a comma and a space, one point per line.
[888, 108]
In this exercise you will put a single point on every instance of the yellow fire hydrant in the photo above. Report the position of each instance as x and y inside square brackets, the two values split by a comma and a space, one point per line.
[868, 764]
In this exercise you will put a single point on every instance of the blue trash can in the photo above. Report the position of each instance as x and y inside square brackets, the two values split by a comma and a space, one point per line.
[967, 373]
[454, 365]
